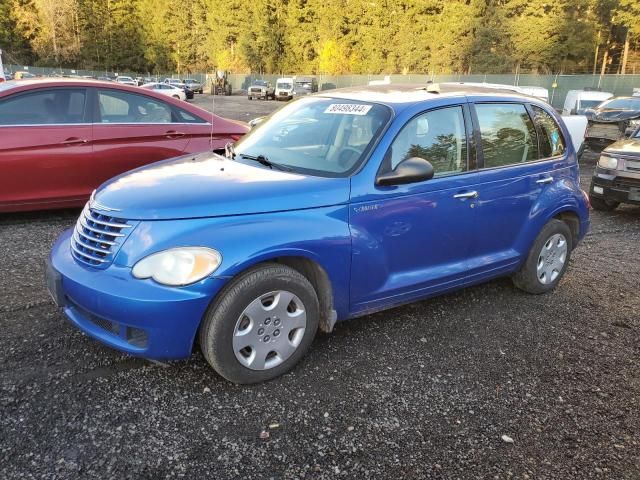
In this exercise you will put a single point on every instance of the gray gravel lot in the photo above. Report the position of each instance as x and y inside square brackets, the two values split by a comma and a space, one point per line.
[422, 391]
[237, 107]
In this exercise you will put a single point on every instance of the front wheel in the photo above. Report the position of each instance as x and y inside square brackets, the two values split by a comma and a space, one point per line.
[547, 260]
[261, 325]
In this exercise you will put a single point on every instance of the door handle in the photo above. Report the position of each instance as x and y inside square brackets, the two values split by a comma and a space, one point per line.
[462, 196]
[74, 141]
[544, 181]
[174, 134]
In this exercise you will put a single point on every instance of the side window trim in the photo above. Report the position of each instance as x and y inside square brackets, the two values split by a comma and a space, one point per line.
[478, 136]
[536, 126]
[468, 126]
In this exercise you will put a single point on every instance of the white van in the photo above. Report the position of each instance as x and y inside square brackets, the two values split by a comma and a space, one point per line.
[284, 88]
[578, 100]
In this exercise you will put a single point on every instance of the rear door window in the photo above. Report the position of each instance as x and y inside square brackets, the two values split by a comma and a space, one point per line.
[508, 134]
[552, 143]
[124, 107]
[56, 106]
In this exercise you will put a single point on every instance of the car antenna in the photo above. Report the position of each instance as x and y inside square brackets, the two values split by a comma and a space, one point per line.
[213, 109]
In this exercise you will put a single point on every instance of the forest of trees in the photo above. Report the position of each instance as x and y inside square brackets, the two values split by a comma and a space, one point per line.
[325, 36]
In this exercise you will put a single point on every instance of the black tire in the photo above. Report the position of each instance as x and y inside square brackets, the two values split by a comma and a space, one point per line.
[526, 278]
[219, 322]
[249, 97]
[603, 205]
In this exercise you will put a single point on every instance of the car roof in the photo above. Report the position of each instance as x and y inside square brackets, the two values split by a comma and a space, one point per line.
[398, 95]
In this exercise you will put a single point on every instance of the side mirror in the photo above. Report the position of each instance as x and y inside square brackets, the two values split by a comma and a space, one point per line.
[411, 170]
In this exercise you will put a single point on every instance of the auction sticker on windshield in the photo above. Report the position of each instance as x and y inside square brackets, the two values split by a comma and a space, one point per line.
[348, 109]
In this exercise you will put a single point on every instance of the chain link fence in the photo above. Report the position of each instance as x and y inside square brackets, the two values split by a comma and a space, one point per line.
[558, 85]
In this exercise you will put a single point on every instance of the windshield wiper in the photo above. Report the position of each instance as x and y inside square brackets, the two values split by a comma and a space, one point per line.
[266, 162]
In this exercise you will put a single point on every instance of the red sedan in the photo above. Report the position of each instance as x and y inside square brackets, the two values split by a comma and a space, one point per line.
[61, 138]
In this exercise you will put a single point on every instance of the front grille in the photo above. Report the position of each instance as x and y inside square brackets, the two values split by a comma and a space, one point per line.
[610, 131]
[626, 183]
[256, 90]
[97, 237]
[632, 166]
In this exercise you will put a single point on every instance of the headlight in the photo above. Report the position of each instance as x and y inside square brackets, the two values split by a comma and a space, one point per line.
[634, 123]
[178, 266]
[608, 162]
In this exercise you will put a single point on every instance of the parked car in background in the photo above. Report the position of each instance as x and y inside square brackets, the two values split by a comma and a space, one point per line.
[577, 101]
[176, 82]
[21, 75]
[305, 85]
[616, 178]
[61, 138]
[166, 89]
[340, 204]
[284, 89]
[612, 120]
[194, 85]
[261, 89]
[105, 79]
[124, 80]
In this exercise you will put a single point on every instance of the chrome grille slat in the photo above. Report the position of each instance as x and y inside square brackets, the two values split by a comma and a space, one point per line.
[86, 255]
[97, 237]
[97, 230]
[76, 237]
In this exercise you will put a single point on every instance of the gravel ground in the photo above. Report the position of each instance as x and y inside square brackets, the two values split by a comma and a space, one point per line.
[237, 107]
[422, 391]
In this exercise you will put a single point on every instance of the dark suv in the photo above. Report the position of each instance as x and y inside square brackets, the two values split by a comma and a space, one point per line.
[616, 179]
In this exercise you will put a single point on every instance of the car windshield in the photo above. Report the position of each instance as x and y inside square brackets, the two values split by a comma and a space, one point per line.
[260, 83]
[318, 136]
[284, 85]
[305, 85]
[622, 104]
[589, 103]
[126, 79]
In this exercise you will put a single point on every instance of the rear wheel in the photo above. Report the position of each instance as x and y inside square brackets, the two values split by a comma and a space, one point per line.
[547, 260]
[603, 205]
[261, 325]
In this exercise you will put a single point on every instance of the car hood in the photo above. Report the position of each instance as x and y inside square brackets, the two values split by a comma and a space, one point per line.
[612, 115]
[627, 146]
[209, 185]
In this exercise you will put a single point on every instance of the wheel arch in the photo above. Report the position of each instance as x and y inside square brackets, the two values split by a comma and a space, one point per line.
[572, 220]
[311, 269]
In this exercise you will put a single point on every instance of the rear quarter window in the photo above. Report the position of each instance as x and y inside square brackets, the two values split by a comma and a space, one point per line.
[552, 142]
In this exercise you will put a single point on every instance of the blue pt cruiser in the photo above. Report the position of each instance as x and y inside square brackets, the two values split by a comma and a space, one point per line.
[338, 205]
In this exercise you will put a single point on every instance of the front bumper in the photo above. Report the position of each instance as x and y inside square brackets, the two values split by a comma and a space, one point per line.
[139, 317]
[615, 186]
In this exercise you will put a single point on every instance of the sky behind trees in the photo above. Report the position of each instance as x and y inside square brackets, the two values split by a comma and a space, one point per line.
[325, 36]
